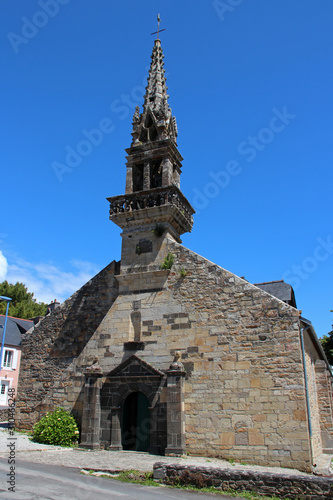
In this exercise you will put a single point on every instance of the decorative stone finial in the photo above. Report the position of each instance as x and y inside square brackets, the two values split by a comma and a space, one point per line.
[94, 367]
[177, 365]
[174, 121]
[136, 117]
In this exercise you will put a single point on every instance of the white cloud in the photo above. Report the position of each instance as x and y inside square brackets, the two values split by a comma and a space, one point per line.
[46, 280]
[3, 267]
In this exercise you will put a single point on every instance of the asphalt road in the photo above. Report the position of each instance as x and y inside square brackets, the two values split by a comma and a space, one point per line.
[47, 482]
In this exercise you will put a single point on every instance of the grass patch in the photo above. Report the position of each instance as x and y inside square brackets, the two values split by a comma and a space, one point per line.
[135, 476]
[131, 476]
[250, 495]
[19, 431]
[147, 479]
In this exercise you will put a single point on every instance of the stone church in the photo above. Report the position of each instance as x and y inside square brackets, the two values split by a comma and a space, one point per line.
[169, 353]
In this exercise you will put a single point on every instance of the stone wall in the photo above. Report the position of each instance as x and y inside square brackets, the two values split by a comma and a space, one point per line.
[4, 415]
[244, 389]
[320, 398]
[52, 363]
[325, 402]
[311, 356]
[296, 487]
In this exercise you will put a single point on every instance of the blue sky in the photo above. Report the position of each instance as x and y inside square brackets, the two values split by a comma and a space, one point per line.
[250, 83]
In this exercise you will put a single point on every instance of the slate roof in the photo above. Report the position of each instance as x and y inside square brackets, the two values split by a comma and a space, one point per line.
[14, 329]
[280, 290]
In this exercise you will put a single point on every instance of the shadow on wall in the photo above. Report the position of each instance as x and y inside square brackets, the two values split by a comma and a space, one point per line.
[89, 308]
[56, 341]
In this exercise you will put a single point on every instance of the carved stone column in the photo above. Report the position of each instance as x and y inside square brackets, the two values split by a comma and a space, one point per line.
[129, 180]
[146, 176]
[115, 429]
[176, 179]
[167, 168]
[175, 410]
[91, 418]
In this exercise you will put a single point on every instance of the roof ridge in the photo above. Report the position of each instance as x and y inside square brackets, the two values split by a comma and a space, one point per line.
[14, 317]
[269, 282]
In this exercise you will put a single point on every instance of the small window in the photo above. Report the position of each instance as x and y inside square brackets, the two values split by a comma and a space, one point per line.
[8, 359]
[3, 389]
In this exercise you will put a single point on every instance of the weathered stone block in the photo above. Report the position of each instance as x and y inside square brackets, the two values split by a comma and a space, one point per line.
[227, 438]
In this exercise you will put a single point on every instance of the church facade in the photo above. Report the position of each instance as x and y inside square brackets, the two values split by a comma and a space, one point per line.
[169, 353]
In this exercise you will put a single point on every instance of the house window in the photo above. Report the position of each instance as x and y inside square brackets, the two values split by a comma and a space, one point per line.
[8, 359]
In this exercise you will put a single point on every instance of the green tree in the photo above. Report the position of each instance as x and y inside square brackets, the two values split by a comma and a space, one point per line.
[23, 304]
[327, 345]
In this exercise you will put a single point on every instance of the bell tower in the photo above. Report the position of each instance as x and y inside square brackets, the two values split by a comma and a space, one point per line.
[153, 205]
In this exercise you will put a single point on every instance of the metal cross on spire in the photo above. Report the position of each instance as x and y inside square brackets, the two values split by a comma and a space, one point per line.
[158, 27]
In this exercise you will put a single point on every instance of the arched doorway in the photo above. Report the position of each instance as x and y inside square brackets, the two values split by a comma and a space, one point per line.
[136, 422]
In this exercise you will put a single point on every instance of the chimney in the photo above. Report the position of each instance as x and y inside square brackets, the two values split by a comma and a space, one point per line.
[51, 307]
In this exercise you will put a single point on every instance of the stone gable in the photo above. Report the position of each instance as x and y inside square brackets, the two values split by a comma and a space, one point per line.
[244, 386]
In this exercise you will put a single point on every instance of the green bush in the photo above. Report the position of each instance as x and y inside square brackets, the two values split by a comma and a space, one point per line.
[57, 427]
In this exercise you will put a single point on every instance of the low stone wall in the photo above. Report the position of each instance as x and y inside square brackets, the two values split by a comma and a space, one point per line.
[4, 415]
[264, 483]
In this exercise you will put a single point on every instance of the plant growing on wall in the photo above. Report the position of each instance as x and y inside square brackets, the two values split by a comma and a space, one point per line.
[168, 262]
[57, 428]
[182, 272]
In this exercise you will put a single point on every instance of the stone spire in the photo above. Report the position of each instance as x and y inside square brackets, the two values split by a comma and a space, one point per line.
[153, 203]
[156, 122]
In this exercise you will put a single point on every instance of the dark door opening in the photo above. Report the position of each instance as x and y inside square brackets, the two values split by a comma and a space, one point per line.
[136, 422]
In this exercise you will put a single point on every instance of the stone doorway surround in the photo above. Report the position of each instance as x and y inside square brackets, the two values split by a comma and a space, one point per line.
[133, 375]
[104, 398]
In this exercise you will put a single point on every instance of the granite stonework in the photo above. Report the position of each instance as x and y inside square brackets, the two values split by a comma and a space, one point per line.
[263, 483]
[55, 359]
[176, 356]
[242, 395]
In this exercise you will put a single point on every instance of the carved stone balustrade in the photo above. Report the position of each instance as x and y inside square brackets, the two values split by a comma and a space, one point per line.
[131, 209]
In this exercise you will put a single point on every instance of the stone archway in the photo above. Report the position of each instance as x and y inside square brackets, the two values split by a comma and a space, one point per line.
[133, 397]
[135, 429]
[159, 410]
